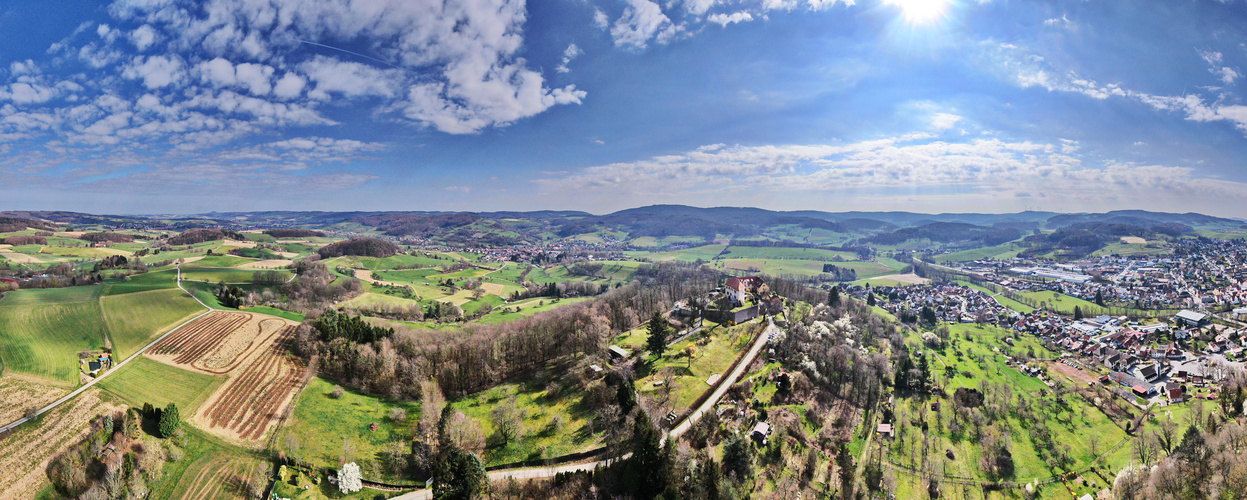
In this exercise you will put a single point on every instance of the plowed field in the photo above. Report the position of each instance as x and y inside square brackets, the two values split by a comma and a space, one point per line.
[253, 351]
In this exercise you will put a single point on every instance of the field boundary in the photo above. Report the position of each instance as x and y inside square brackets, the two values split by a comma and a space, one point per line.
[136, 354]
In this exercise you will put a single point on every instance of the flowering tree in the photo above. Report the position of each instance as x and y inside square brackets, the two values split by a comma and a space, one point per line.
[349, 478]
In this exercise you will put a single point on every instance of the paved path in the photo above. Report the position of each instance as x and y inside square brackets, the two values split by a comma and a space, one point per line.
[726, 383]
[685, 425]
[88, 385]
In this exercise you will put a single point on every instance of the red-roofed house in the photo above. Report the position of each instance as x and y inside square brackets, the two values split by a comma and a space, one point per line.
[737, 288]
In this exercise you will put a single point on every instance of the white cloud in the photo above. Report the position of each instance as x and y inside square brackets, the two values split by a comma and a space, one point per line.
[1225, 74]
[572, 52]
[349, 78]
[733, 18]
[289, 86]
[144, 37]
[642, 20]
[920, 167]
[698, 7]
[1032, 71]
[255, 77]
[944, 121]
[155, 71]
[600, 19]
[1059, 22]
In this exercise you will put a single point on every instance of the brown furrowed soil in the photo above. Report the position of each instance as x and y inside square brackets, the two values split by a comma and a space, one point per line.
[254, 352]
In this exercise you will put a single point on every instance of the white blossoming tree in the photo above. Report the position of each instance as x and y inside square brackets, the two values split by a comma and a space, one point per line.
[350, 479]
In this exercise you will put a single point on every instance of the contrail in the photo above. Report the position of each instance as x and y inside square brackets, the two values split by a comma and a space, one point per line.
[348, 52]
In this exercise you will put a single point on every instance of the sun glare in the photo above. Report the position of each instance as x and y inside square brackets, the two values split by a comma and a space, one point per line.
[921, 11]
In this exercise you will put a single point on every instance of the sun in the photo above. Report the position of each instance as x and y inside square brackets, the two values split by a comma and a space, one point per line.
[921, 11]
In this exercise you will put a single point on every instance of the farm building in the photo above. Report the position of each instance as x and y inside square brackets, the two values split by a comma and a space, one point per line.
[1191, 318]
[617, 352]
[760, 433]
[885, 431]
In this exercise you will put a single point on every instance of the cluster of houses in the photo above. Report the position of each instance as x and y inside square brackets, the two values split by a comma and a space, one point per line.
[951, 302]
[1200, 274]
[1143, 360]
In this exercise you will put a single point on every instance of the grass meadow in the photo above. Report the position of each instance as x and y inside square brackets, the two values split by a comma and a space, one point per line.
[147, 381]
[134, 319]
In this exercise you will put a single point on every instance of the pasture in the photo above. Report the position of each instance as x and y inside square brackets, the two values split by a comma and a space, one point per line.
[134, 319]
[553, 424]
[144, 380]
[44, 339]
[323, 427]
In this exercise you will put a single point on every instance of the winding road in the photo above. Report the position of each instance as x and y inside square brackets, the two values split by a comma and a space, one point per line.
[692, 418]
[96, 380]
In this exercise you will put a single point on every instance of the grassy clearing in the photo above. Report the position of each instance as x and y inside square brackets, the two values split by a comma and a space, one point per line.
[324, 430]
[999, 252]
[554, 425]
[528, 308]
[272, 311]
[217, 261]
[688, 381]
[1064, 304]
[146, 381]
[44, 339]
[135, 319]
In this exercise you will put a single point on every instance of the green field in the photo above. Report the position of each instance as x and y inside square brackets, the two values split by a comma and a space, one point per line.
[50, 296]
[42, 335]
[216, 274]
[135, 319]
[688, 382]
[323, 427]
[554, 425]
[527, 308]
[973, 357]
[999, 252]
[741, 252]
[153, 280]
[143, 380]
[704, 252]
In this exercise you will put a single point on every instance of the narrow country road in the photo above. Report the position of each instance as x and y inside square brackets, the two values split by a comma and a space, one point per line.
[544, 472]
[88, 385]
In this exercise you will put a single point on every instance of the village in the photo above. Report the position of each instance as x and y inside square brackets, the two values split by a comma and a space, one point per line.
[1146, 362]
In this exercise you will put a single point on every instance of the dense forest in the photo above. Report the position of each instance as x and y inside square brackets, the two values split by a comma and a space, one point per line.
[195, 236]
[364, 247]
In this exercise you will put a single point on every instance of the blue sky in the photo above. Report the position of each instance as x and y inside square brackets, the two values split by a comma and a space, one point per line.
[166, 106]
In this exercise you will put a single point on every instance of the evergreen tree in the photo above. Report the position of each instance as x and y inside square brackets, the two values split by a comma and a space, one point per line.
[1099, 298]
[833, 296]
[169, 421]
[659, 330]
[844, 462]
[1077, 313]
[649, 467]
[458, 475]
[738, 457]
[870, 299]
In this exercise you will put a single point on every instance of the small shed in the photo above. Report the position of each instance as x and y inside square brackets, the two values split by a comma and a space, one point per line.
[885, 431]
[617, 352]
[760, 432]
